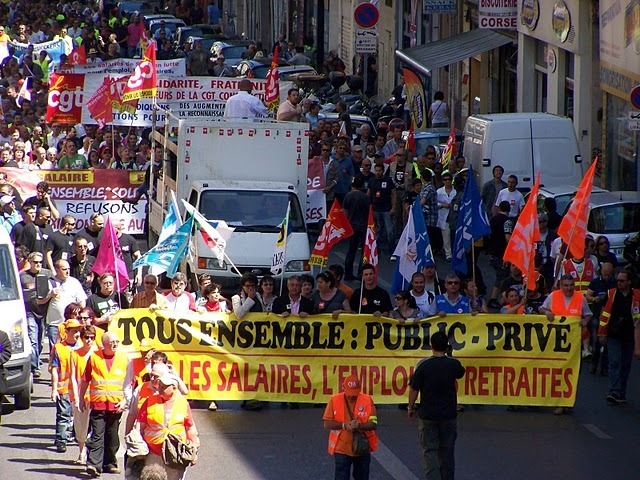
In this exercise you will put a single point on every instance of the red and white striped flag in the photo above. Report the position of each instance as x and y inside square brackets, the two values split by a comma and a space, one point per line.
[370, 250]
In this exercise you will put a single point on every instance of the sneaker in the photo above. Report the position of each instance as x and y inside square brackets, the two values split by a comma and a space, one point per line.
[558, 411]
[61, 447]
[111, 469]
[586, 354]
[393, 258]
[213, 407]
[93, 472]
[621, 399]
[37, 374]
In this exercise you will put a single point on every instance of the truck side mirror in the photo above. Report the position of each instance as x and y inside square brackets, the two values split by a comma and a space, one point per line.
[486, 162]
[577, 158]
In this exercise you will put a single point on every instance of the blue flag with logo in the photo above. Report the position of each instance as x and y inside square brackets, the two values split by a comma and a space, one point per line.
[167, 253]
[472, 224]
[413, 250]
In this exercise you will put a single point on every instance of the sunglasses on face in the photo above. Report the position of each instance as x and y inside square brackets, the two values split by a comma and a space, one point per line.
[453, 283]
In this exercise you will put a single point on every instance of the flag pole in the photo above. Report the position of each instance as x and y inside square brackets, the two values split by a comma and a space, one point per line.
[473, 261]
[361, 293]
[284, 253]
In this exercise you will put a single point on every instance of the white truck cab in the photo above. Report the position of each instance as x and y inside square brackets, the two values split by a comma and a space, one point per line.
[245, 173]
[15, 374]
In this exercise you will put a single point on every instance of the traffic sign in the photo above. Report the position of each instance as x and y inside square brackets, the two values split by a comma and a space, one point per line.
[367, 45]
[634, 125]
[635, 97]
[366, 15]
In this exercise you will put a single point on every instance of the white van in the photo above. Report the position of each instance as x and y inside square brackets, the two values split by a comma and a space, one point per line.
[523, 144]
[15, 374]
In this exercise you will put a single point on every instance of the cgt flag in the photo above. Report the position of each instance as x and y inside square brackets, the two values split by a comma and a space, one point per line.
[168, 252]
[521, 249]
[573, 228]
[109, 258]
[335, 228]
[472, 224]
[370, 250]
[78, 56]
[143, 81]
[278, 260]
[272, 89]
[450, 151]
[99, 104]
[413, 250]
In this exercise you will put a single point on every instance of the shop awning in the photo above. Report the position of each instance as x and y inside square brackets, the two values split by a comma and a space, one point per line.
[425, 58]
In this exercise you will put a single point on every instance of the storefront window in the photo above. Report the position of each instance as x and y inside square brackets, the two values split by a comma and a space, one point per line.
[621, 168]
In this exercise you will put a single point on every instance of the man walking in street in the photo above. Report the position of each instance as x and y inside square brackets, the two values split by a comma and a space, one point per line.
[435, 381]
[491, 189]
[566, 302]
[356, 205]
[105, 374]
[346, 413]
[511, 195]
[618, 320]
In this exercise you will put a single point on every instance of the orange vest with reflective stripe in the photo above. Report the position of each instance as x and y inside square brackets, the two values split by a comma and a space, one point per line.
[582, 281]
[80, 362]
[558, 305]
[605, 315]
[64, 353]
[140, 367]
[145, 392]
[107, 385]
[158, 427]
[341, 415]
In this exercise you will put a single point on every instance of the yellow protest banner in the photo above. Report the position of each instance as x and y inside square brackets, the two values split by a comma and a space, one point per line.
[509, 359]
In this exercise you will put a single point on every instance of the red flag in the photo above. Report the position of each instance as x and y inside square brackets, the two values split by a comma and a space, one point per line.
[64, 101]
[78, 56]
[370, 251]
[521, 249]
[450, 151]
[145, 40]
[143, 81]
[336, 228]
[573, 228]
[99, 104]
[117, 86]
[109, 258]
[272, 89]
[411, 139]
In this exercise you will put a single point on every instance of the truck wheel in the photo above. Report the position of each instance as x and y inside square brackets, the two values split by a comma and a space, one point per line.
[22, 399]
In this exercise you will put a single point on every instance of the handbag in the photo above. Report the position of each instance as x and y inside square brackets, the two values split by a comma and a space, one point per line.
[136, 446]
[178, 454]
[360, 444]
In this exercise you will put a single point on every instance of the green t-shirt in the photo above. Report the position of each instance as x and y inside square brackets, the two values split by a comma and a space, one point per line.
[77, 162]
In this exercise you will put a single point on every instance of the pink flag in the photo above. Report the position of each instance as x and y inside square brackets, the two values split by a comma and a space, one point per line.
[109, 258]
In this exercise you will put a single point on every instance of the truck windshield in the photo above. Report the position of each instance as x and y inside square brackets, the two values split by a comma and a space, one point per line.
[261, 211]
[8, 281]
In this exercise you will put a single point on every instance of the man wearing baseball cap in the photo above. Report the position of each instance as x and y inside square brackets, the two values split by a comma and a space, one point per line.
[138, 367]
[435, 381]
[61, 379]
[9, 216]
[346, 413]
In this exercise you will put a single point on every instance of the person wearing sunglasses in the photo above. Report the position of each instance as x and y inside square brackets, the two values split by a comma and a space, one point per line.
[35, 235]
[79, 360]
[149, 297]
[61, 241]
[35, 312]
[451, 302]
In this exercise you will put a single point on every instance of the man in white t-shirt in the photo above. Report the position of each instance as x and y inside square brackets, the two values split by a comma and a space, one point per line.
[424, 298]
[243, 104]
[178, 298]
[511, 195]
[63, 290]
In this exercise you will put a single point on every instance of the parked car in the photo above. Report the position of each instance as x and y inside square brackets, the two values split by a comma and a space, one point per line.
[150, 17]
[207, 41]
[356, 121]
[141, 7]
[197, 30]
[438, 137]
[231, 50]
[616, 215]
[260, 69]
[563, 195]
[171, 24]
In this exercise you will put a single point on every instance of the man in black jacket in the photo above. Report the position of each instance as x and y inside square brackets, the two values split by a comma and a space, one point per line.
[293, 303]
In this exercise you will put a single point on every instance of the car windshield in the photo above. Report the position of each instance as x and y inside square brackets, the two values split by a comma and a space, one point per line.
[8, 283]
[233, 51]
[422, 143]
[620, 218]
[251, 210]
[261, 71]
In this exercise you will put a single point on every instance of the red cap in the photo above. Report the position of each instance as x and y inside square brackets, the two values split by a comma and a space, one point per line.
[351, 385]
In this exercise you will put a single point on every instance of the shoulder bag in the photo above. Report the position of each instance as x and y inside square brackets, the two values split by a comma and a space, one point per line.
[360, 445]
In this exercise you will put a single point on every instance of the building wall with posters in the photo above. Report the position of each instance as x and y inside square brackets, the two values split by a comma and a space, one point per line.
[557, 59]
[619, 75]
[341, 29]
[484, 82]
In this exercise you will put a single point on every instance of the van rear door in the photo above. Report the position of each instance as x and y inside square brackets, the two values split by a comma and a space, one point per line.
[513, 144]
[555, 151]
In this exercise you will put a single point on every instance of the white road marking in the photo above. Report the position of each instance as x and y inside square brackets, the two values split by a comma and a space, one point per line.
[596, 431]
[392, 464]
